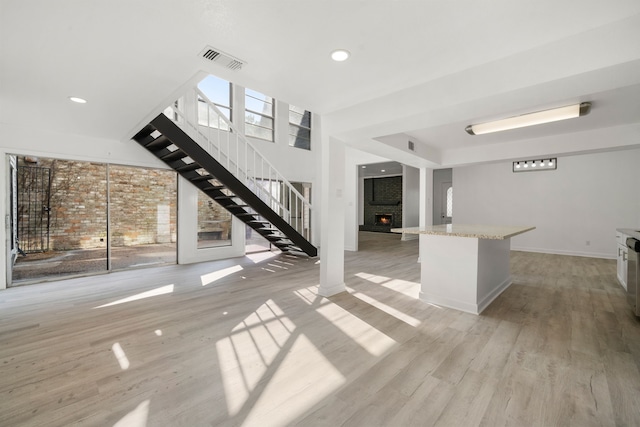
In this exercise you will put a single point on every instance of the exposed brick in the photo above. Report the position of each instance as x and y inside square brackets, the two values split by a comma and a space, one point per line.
[387, 189]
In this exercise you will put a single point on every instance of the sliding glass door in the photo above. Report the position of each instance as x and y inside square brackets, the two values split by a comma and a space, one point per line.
[75, 217]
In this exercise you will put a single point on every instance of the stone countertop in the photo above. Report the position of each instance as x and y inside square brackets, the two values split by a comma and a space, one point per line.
[492, 232]
[630, 232]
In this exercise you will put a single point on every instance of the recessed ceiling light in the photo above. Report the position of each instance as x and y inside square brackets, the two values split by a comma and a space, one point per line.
[340, 55]
[77, 100]
[382, 170]
[364, 167]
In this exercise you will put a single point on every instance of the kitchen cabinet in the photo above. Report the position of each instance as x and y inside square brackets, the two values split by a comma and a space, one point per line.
[621, 239]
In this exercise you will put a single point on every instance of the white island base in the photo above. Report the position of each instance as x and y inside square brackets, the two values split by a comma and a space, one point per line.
[464, 267]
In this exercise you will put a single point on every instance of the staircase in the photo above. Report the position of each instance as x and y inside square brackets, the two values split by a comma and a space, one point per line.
[243, 194]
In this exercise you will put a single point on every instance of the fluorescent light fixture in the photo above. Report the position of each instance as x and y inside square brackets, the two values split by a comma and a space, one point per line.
[530, 119]
[535, 165]
[340, 55]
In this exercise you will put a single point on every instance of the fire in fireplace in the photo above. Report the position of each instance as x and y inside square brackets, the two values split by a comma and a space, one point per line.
[384, 219]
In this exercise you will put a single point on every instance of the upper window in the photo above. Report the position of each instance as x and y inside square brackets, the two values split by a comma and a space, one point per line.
[259, 115]
[299, 127]
[219, 93]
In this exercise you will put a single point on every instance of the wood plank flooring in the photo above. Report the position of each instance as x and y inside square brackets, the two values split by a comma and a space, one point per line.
[249, 342]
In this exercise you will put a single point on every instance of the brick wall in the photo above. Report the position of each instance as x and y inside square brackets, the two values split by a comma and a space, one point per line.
[379, 193]
[143, 205]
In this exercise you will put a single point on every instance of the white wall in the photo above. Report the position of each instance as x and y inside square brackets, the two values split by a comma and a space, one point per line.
[295, 164]
[575, 208]
[353, 194]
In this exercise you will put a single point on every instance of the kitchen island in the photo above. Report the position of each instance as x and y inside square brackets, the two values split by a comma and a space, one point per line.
[464, 266]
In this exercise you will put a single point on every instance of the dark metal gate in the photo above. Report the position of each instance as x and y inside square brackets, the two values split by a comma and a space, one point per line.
[34, 196]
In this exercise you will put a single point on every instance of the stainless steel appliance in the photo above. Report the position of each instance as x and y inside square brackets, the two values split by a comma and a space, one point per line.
[633, 274]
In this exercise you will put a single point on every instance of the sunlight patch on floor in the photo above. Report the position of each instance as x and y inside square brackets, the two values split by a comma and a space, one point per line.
[372, 277]
[247, 354]
[136, 418]
[152, 293]
[304, 378]
[308, 295]
[368, 337]
[209, 278]
[261, 256]
[386, 308]
[120, 355]
[411, 289]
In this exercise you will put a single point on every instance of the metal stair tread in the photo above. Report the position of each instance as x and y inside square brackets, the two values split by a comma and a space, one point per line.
[202, 178]
[174, 155]
[214, 188]
[158, 144]
[188, 167]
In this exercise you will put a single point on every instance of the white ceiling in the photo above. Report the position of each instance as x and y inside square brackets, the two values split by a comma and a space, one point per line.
[371, 170]
[420, 70]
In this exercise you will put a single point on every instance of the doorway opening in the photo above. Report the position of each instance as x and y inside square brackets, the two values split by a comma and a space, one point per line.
[442, 196]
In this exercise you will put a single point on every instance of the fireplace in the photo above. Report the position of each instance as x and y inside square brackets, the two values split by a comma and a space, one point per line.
[384, 219]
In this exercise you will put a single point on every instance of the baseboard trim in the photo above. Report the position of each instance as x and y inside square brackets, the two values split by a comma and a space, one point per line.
[449, 303]
[563, 252]
[495, 293]
[328, 291]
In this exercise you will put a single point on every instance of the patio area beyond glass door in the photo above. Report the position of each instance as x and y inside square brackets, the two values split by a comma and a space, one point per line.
[142, 216]
[61, 218]
[74, 218]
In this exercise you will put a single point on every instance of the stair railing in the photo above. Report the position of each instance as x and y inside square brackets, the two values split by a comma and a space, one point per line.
[206, 124]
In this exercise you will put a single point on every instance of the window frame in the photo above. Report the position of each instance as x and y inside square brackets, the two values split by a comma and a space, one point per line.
[299, 126]
[272, 117]
[221, 107]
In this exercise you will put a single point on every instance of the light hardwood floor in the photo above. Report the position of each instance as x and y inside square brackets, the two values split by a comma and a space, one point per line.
[239, 342]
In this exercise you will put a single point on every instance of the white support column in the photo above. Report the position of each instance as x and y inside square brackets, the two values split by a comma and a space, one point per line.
[410, 200]
[426, 203]
[426, 197]
[332, 214]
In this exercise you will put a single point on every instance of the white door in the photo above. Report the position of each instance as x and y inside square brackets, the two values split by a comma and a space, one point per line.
[447, 203]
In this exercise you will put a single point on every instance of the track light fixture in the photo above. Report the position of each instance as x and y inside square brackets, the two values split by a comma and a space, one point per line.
[535, 165]
[530, 119]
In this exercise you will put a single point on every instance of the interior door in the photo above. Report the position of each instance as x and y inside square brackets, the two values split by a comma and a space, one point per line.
[12, 216]
[447, 202]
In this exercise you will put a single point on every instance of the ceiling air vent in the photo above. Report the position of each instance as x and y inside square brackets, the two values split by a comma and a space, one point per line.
[221, 58]
[411, 146]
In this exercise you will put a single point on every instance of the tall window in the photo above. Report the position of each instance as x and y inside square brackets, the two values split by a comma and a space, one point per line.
[219, 92]
[214, 223]
[259, 115]
[299, 127]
